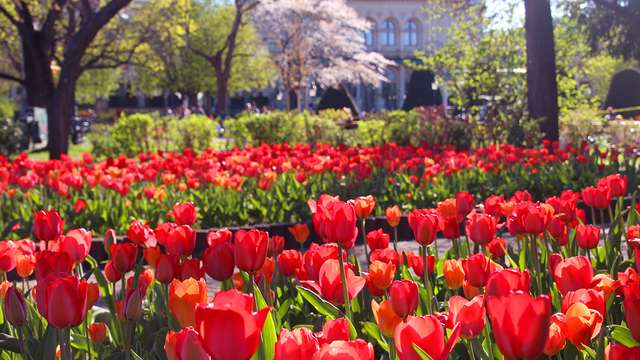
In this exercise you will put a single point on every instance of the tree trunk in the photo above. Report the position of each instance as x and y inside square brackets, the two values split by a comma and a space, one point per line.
[59, 114]
[222, 93]
[38, 80]
[542, 93]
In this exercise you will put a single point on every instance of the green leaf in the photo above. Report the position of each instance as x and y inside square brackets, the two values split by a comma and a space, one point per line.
[622, 335]
[269, 331]
[321, 305]
[9, 343]
[49, 344]
[135, 356]
[371, 329]
[421, 353]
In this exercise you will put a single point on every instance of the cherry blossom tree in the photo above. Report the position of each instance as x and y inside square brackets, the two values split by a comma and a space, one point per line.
[318, 40]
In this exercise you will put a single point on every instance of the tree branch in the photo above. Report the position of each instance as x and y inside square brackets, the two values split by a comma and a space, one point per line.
[9, 17]
[11, 77]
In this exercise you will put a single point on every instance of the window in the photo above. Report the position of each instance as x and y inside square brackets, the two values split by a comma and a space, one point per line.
[388, 33]
[368, 38]
[410, 33]
[390, 90]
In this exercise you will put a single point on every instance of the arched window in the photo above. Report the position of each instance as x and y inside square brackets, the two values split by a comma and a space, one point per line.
[368, 35]
[410, 33]
[388, 33]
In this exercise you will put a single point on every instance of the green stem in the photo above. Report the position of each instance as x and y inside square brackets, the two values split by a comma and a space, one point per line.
[395, 239]
[487, 335]
[23, 350]
[65, 344]
[472, 355]
[86, 334]
[364, 241]
[345, 291]
[392, 349]
[255, 308]
[425, 276]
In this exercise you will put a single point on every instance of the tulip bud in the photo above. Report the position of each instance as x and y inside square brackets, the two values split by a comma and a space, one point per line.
[111, 273]
[109, 239]
[403, 295]
[133, 305]
[97, 332]
[393, 216]
[14, 307]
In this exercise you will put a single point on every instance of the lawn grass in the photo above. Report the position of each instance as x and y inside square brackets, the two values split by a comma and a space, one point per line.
[75, 151]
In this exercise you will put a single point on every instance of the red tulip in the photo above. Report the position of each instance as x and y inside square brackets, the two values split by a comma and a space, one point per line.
[505, 282]
[330, 282]
[228, 327]
[97, 332]
[417, 264]
[141, 234]
[632, 307]
[316, 256]
[351, 350]
[597, 197]
[184, 213]
[620, 352]
[93, 294]
[49, 262]
[450, 227]
[47, 225]
[556, 338]
[111, 274]
[477, 268]
[167, 268]
[276, 245]
[377, 239]
[289, 261]
[616, 183]
[8, 256]
[62, 300]
[334, 330]
[593, 299]
[470, 315]
[492, 205]
[424, 224]
[558, 229]
[189, 346]
[181, 241]
[131, 307]
[223, 235]
[481, 228]
[403, 295]
[123, 257]
[338, 222]
[297, 344]
[190, 268]
[573, 273]
[386, 256]
[536, 217]
[427, 333]
[218, 261]
[15, 310]
[587, 236]
[250, 249]
[363, 205]
[520, 324]
[464, 203]
[497, 247]
[77, 244]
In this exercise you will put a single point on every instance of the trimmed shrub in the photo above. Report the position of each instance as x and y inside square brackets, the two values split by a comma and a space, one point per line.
[624, 92]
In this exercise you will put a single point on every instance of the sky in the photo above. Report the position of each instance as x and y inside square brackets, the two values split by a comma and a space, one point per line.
[500, 7]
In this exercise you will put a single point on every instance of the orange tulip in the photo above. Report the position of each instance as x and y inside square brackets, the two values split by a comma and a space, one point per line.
[381, 274]
[363, 205]
[386, 318]
[26, 265]
[453, 273]
[393, 216]
[583, 324]
[184, 296]
[300, 232]
[604, 283]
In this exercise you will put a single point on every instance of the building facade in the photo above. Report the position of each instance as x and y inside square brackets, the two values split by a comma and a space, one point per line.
[399, 28]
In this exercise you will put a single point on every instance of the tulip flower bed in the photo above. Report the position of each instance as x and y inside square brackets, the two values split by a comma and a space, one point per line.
[271, 183]
[556, 287]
